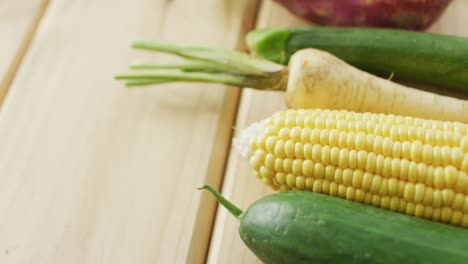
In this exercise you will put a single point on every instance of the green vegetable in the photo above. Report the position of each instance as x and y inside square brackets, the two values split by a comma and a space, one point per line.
[421, 57]
[306, 227]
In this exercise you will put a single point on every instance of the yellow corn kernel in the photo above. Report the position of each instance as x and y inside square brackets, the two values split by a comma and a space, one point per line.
[297, 167]
[465, 221]
[395, 166]
[446, 155]
[266, 173]
[270, 161]
[315, 136]
[387, 169]
[412, 171]
[371, 162]
[279, 165]
[436, 156]
[366, 181]
[343, 158]
[358, 176]
[377, 147]
[333, 189]
[329, 172]
[267, 181]
[347, 177]
[396, 150]
[338, 175]
[287, 165]
[428, 196]
[295, 134]
[334, 156]
[437, 198]
[379, 164]
[308, 168]
[299, 150]
[317, 187]
[325, 186]
[383, 189]
[439, 177]
[319, 170]
[257, 160]
[361, 159]
[447, 197]
[419, 210]
[394, 203]
[360, 141]
[458, 201]
[428, 212]
[281, 178]
[375, 200]
[309, 183]
[446, 214]
[360, 195]
[342, 190]
[324, 137]
[385, 202]
[409, 192]
[289, 149]
[406, 150]
[333, 137]
[416, 151]
[368, 198]
[392, 187]
[350, 193]
[352, 159]
[457, 218]
[404, 165]
[350, 140]
[409, 210]
[457, 157]
[291, 180]
[419, 191]
[305, 134]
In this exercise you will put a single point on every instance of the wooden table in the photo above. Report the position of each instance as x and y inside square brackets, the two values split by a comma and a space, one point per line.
[92, 172]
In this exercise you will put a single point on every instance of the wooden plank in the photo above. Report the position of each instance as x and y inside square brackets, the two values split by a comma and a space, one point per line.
[93, 172]
[240, 186]
[18, 22]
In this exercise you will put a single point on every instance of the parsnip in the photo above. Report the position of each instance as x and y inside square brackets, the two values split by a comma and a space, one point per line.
[318, 79]
[312, 79]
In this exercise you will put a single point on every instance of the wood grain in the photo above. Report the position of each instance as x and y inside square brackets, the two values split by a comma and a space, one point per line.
[19, 20]
[240, 186]
[93, 172]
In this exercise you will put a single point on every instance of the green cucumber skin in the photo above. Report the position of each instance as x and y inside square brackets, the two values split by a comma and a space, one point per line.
[304, 227]
[420, 57]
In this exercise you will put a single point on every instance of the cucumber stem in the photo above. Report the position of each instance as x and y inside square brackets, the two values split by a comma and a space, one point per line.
[234, 210]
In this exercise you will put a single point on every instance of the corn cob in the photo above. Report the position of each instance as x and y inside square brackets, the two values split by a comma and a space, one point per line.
[409, 165]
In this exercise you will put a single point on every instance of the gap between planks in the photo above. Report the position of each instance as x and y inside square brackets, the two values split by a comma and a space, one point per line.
[23, 47]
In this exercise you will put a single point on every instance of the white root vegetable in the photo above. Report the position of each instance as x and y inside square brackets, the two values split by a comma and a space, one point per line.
[318, 79]
[312, 79]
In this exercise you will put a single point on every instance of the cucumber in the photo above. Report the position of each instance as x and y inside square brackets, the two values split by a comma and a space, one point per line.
[306, 227]
[420, 57]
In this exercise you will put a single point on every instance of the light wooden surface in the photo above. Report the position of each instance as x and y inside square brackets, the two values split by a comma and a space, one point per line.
[92, 172]
[18, 22]
[240, 186]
